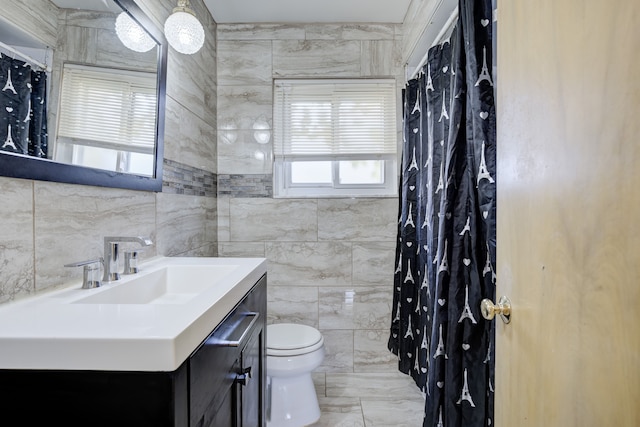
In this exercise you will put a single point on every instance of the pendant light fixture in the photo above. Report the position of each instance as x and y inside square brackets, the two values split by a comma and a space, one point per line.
[132, 35]
[183, 30]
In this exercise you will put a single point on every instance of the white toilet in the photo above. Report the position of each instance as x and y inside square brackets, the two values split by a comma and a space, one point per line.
[293, 351]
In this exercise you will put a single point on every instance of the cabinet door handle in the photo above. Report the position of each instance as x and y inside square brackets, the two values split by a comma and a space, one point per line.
[244, 377]
[251, 318]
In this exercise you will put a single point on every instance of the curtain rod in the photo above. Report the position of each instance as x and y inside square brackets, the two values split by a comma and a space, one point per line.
[25, 56]
[445, 28]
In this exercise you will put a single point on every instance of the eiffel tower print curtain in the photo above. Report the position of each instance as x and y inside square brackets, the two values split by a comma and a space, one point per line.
[445, 252]
[23, 108]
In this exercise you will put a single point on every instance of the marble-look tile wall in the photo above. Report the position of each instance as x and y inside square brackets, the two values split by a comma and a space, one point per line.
[330, 261]
[416, 20]
[44, 225]
[36, 17]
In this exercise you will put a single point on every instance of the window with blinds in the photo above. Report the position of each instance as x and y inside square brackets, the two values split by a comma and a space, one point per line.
[335, 138]
[108, 111]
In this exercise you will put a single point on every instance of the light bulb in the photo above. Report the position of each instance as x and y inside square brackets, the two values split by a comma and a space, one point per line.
[183, 31]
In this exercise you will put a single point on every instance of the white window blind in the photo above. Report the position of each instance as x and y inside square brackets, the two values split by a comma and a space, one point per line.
[334, 120]
[108, 108]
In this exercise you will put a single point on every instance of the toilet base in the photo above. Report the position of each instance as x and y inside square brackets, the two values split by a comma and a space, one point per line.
[293, 401]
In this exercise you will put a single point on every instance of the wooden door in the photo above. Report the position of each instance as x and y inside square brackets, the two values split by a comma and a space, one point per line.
[568, 235]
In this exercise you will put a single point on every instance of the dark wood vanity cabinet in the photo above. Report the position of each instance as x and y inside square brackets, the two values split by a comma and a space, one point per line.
[239, 400]
[222, 383]
[227, 373]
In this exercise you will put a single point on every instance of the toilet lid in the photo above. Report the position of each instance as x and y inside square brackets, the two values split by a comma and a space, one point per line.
[292, 339]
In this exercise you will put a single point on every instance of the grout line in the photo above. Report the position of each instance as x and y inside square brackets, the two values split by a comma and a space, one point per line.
[33, 232]
[364, 421]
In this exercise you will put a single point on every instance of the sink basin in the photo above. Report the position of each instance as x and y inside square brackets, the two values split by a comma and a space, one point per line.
[173, 284]
[150, 321]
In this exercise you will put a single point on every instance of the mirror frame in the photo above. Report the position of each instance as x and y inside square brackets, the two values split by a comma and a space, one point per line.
[16, 166]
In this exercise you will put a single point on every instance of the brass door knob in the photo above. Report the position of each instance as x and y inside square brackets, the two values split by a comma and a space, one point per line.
[503, 308]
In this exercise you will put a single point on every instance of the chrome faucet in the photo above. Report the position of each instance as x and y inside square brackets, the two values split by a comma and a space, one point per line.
[111, 254]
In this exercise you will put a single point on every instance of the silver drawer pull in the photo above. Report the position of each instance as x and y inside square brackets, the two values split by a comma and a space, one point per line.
[249, 318]
[244, 377]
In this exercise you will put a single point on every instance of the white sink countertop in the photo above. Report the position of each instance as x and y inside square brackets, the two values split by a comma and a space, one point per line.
[92, 329]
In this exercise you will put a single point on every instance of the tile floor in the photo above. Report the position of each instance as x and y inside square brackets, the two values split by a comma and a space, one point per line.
[368, 400]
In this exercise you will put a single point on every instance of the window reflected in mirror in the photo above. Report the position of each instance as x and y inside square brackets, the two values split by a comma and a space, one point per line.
[107, 119]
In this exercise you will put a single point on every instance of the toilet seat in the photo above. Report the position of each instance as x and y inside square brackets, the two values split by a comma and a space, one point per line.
[289, 339]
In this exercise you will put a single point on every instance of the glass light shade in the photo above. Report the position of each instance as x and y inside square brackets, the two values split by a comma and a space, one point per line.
[132, 35]
[184, 32]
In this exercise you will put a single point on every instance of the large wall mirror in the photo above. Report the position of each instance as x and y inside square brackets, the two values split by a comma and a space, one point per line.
[80, 102]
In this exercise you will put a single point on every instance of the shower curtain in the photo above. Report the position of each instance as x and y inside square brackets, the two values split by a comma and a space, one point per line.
[23, 108]
[445, 252]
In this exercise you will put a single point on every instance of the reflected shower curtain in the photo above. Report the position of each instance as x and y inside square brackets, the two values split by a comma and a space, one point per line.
[23, 108]
[445, 252]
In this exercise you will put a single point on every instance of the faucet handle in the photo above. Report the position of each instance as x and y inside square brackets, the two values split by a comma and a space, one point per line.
[130, 262]
[90, 272]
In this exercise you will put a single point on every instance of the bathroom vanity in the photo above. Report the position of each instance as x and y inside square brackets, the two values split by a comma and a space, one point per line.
[182, 343]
